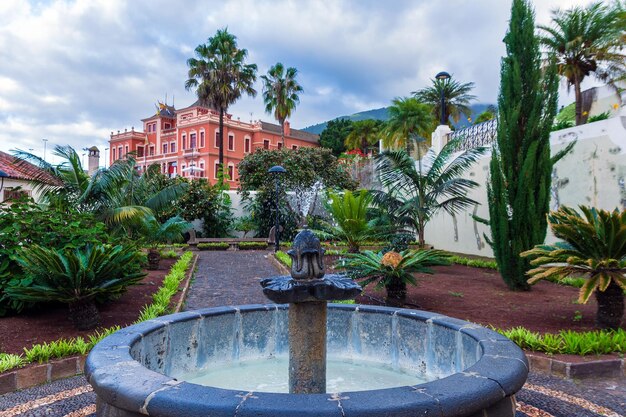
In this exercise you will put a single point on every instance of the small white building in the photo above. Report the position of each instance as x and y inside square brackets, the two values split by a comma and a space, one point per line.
[16, 176]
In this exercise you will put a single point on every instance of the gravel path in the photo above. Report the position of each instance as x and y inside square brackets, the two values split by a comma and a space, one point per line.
[224, 278]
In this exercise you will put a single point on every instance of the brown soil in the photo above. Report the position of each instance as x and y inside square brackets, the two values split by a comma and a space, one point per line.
[481, 296]
[51, 322]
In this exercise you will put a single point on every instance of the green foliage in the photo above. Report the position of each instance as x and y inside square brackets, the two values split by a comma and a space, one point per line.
[416, 193]
[244, 224]
[334, 135]
[10, 361]
[24, 223]
[283, 258]
[455, 95]
[75, 275]
[154, 233]
[207, 202]
[252, 245]
[213, 246]
[408, 119]
[364, 135]
[567, 113]
[521, 167]
[569, 342]
[263, 213]
[162, 298]
[598, 117]
[169, 254]
[562, 124]
[485, 116]
[476, 263]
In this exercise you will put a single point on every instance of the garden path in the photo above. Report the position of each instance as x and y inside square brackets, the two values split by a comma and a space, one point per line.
[232, 278]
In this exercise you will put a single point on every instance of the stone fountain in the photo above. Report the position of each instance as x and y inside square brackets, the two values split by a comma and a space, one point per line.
[381, 361]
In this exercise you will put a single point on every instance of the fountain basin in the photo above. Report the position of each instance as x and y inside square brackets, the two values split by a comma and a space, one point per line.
[138, 370]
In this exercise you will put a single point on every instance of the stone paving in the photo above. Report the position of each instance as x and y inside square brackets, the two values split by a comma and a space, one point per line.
[226, 278]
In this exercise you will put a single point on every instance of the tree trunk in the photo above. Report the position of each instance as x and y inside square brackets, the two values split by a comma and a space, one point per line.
[221, 141]
[420, 234]
[610, 307]
[84, 314]
[579, 102]
[396, 293]
[154, 258]
[282, 133]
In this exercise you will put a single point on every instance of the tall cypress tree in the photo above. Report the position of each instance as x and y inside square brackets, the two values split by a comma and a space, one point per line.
[521, 167]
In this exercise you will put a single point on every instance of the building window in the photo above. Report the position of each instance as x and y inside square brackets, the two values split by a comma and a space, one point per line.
[266, 144]
[114, 155]
[231, 172]
[192, 140]
[294, 147]
[182, 170]
[139, 151]
[11, 193]
[280, 145]
[119, 152]
[151, 150]
[202, 139]
[231, 142]
[167, 126]
[184, 142]
[165, 148]
[173, 147]
[126, 149]
[246, 145]
[217, 138]
[164, 168]
[217, 169]
[202, 169]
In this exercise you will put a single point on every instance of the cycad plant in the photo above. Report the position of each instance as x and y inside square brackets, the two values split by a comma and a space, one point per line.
[393, 270]
[349, 211]
[414, 192]
[154, 233]
[594, 245]
[77, 277]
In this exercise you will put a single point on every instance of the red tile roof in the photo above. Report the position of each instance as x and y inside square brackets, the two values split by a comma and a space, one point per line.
[19, 169]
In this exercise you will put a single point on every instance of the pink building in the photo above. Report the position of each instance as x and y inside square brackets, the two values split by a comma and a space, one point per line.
[185, 141]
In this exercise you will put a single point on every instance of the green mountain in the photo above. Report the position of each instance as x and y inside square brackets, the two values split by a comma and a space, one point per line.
[382, 114]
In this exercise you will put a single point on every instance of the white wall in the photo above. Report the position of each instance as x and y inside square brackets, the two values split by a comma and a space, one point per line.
[593, 173]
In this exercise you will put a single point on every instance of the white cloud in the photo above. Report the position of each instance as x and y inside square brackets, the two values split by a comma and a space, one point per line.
[72, 71]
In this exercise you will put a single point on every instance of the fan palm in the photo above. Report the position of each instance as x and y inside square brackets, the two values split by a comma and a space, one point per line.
[415, 192]
[456, 98]
[364, 134]
[393, 270]
[584, 41]
[408, 118]
[594, 245]
[77, 277]
[280, 94]
[154, 233]
[220, 76]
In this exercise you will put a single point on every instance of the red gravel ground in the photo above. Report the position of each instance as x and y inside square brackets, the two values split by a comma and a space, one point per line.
[51, 322]
[481, 296]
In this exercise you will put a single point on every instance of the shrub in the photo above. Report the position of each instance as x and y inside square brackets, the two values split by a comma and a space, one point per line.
[283, 258]
[76, 277]
[169, 254]
[594, 245]
[476, 263]
[252, 245]
[598, 117]
[213, 246]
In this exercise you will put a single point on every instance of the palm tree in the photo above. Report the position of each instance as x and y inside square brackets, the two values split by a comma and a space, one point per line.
[280, 94]
[364, 134]
[408, 118]
[586, 41]
[417, 191]
[456, 98]
[594, 245]
[220, 76]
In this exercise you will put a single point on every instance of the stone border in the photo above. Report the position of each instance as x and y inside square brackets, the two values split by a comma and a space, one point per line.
[574, 370]
[37, 374]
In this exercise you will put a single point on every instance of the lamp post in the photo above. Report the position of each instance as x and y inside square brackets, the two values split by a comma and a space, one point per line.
[276, 170]
[45, 141]
[442, 76]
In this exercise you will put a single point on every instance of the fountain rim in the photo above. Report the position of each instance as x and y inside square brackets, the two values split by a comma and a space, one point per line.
[500, 372]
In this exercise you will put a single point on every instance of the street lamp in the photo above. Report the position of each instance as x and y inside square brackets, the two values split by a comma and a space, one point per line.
[276, 171]
[442, 76]
[45, 141]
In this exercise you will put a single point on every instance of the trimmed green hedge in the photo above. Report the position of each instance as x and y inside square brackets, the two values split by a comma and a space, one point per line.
[213, 246]
[251, 245]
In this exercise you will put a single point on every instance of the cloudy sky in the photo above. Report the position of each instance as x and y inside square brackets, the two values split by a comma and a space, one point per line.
[73, 71]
